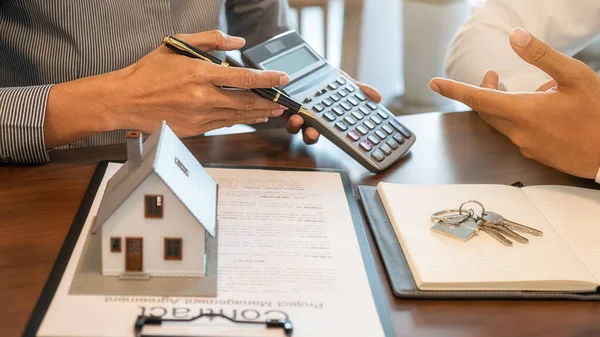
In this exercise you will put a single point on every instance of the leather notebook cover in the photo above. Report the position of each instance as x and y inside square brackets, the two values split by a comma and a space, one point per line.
[400, 276]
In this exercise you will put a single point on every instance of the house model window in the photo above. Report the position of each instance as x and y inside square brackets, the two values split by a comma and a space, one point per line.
[115, 245]
[154, 206]
[182, 167]
[173, 247]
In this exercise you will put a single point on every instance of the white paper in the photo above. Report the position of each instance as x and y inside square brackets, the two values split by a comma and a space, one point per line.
[287, 246]
[573, 212]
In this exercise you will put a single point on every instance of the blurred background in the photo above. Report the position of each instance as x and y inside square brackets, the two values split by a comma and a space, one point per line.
[396, 46]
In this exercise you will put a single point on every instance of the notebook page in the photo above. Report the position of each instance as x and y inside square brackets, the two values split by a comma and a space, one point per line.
[437, 260]
[574, 213]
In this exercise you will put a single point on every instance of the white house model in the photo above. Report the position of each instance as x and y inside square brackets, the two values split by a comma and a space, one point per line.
[157, 210]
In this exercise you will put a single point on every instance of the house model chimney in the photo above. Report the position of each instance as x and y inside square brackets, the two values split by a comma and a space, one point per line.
[134, 150]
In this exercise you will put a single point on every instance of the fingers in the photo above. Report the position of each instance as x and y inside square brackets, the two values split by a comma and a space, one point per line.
[224, 124]
[310, 135]
[547, 86]
[294, 124]
[248, 78]
[239, 115]
[478, 99]
[565, 70]
[370, 91]
[241, 100]
[213, 40]
[490, 80]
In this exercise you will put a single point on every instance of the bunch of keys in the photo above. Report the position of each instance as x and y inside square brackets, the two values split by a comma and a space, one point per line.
[463, 224]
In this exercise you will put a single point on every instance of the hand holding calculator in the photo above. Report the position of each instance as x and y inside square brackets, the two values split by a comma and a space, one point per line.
[330, 102]
[337, 108]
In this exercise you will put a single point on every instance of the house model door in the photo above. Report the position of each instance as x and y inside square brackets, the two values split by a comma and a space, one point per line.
[135, 251]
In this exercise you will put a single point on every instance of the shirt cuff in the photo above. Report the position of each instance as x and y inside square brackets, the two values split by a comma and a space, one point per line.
[598, 176]
[22, 114]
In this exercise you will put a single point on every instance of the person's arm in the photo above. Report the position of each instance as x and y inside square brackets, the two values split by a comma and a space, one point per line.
[187, 93]
[22, 112]
[259, 20]
[482, 42]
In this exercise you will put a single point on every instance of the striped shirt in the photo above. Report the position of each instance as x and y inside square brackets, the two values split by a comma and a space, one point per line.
[43, 42]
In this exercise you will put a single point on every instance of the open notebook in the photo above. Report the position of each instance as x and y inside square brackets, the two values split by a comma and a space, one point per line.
[565, 259]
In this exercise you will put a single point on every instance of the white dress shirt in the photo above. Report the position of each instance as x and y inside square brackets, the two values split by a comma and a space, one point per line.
[483, 41]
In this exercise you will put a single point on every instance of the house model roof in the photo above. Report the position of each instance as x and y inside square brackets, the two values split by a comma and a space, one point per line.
[165, 155]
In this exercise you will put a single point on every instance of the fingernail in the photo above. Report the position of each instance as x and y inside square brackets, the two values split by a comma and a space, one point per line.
[282, 107]
[284, 79]
[277, 112]
[238, 39]
[261, 120]
[434, 87]
[520, 38]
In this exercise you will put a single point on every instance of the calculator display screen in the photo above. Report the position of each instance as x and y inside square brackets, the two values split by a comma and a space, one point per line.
[292, 62]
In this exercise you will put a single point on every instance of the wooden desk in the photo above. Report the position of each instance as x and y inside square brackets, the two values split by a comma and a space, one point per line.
[37, 205]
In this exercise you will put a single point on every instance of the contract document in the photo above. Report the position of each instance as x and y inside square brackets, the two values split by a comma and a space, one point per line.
[287, 248]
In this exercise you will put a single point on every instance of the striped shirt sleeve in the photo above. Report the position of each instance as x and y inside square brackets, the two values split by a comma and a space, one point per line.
[22, 113]
[259, 20]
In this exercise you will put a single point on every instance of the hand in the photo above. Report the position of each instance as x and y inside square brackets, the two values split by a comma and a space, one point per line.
[558, 125]
[309, 134]
[161, 86]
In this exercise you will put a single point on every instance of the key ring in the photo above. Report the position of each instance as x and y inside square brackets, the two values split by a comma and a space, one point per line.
[460, 209]
[455, 219]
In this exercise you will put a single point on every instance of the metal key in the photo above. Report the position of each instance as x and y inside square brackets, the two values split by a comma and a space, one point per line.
[497, 219]
[508, 233]
[493, 233]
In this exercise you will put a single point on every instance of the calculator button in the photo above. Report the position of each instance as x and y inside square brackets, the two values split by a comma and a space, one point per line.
[372, 105]
[341, 81]
[386, 149]
[335, 97]
[364, 111]
[343, 93]
[373, 139]
[366, 145]
[350, 120]
[362, 130]
[361, 97]
[318, 107]
[353, 101]
[329, 116]
[376, 120]
[400, 128]
[358, 115]
[307, 100]
[353, 135]
[387, 129]
[327, 102]
[350, 89]
[338, 111]
[341, 126]
[392, 143]
[378, 155]
[346, 106]
[383, 114]
[320, 92]
[380, 134]
[397, 137]
[370, 125]
[332, 86]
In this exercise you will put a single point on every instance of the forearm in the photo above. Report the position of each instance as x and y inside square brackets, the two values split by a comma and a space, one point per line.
[83, 107]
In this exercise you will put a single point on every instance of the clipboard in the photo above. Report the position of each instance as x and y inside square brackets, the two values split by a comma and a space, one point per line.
[71, 238]
[401, 278]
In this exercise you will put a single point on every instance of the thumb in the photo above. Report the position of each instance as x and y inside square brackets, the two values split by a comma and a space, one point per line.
[560, 67]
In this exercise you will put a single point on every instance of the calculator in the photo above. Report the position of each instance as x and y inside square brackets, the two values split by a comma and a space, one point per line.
[338, 109]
